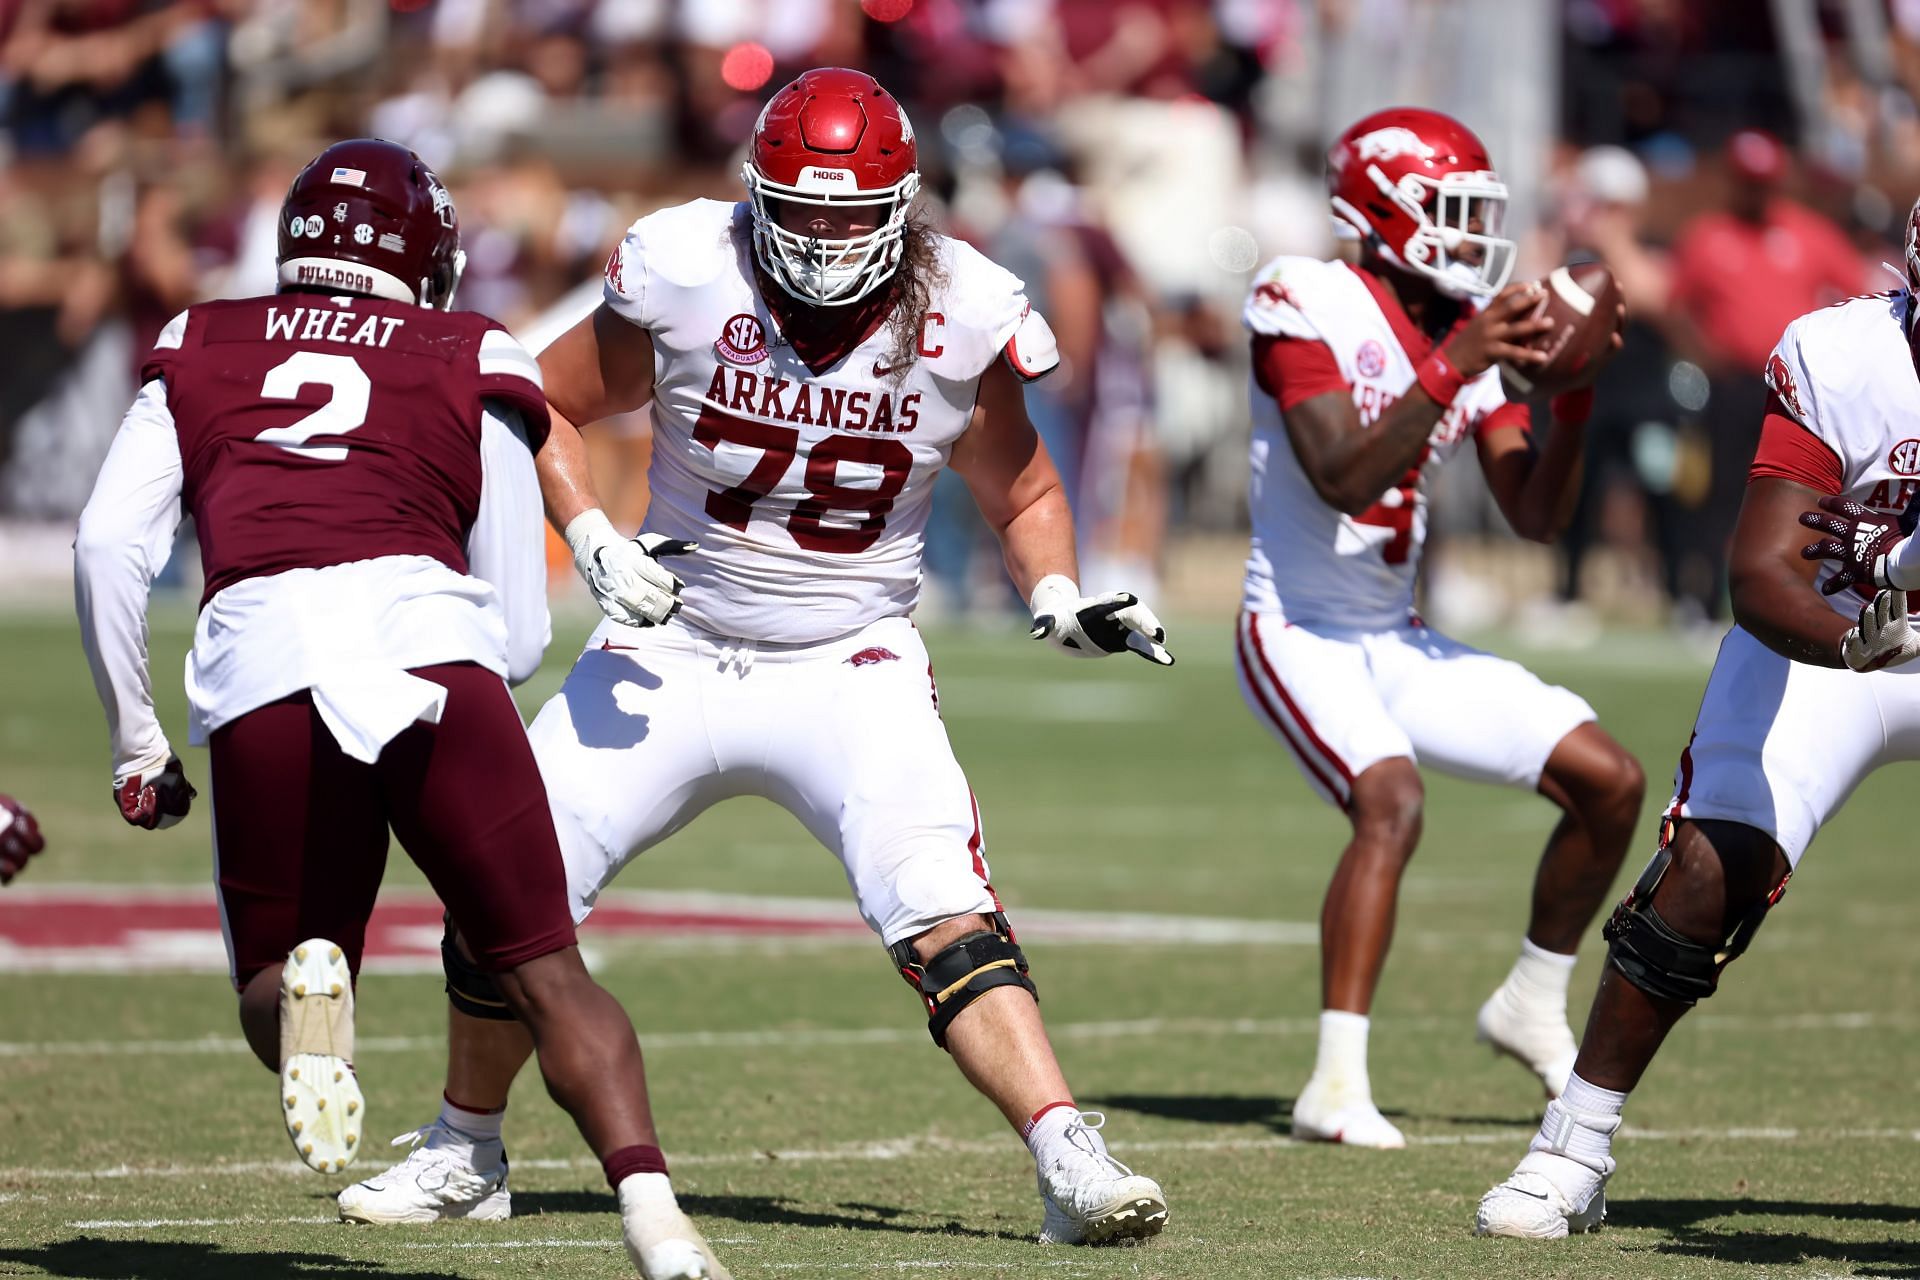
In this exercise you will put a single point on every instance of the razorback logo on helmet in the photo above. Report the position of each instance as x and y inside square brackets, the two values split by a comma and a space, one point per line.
[1780, 382]
[1904, 458]
[868, 657]
[615, 263]
[1385, 144]
[742, 340]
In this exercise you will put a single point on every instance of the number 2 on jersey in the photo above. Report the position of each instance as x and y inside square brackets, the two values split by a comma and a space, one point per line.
[344, 411]
[778, 446]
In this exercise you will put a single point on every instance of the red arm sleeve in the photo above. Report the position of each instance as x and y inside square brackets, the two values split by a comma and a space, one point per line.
[1788, 451]
[1511, 414]
[1295, 369]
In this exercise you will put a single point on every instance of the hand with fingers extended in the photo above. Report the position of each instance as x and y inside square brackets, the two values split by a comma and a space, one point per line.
[155, 798]
[1860, 541]
[1884, 637]
[1503, 331]
[625, 575]
[1095, 626]
[20, 838]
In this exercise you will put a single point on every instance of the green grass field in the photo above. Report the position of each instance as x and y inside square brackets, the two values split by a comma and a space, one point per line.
[1776, 1135]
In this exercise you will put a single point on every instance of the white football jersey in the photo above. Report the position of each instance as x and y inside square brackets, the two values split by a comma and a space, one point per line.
[808, 493]
[1845, 373]
[1309, 561]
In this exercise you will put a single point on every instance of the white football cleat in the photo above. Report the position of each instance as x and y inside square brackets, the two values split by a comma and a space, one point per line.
[661, 1240]
[1091, 1198]
[319, 1097]
[1532, 1204]
[1543, 1045]
[1330, 1113]
[442, 1177]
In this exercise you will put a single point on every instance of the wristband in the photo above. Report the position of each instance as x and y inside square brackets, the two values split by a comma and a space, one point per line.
[1573, 407]
[587, 532]
[1439, 379]
[1902, 565]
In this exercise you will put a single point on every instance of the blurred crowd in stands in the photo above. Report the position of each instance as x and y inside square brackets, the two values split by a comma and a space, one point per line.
[1134, 161]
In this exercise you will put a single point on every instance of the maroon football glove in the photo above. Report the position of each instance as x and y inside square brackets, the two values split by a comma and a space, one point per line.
[1857, 540]
[156, 800]
[20, 838]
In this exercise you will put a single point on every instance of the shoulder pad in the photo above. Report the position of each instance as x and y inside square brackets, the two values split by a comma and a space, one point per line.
[684, 246]
[1283, 297]
[986, 309]
[511, 376]
[166, 347]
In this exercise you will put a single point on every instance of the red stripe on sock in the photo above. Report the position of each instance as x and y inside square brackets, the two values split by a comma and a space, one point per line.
[1034, 1119]
[478, 1111]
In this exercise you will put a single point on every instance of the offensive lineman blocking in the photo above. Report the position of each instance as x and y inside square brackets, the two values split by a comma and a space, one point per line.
[1367, 379]
[814, 356]
[1766, 766]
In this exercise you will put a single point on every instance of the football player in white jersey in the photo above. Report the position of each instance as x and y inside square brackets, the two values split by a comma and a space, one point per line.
[814, 356]
[1367, 378]
[1820, 638]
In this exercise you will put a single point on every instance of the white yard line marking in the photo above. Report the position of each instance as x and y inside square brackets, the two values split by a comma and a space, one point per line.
[828, 1037]
[146, 1224]
[554, 1244]
[906, 1148]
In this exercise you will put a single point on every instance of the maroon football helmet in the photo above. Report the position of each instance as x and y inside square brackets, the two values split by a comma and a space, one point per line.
[1418, 185]
[831, 140]
[367, 216]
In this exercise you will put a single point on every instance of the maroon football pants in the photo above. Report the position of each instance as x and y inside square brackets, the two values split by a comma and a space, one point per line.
[300, 828]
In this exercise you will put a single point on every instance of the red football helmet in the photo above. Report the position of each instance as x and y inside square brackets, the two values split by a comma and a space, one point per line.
[1419, 186]
[368, 216]
[833, 140]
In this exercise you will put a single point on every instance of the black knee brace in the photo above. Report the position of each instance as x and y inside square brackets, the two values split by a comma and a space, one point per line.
[963, 972]
[470, 990]
[1651, 955]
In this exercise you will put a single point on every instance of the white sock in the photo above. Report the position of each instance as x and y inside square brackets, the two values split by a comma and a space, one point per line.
[646, 1194]
[474, 1127]
[659, 1238]
[1342, 1057]
[1538, 981]
[1580, 1125]
[1591, 1099]
[1048, 1131]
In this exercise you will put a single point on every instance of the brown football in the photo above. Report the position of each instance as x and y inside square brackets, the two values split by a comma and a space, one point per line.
[1583, 303]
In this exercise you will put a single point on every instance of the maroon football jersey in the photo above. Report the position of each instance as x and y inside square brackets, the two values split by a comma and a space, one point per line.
[319, 430]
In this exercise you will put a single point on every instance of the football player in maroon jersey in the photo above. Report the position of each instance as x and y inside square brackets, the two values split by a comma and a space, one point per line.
[358, 461]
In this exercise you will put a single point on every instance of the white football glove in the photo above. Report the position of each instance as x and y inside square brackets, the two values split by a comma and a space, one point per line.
[1095, 626]
[1884, 637]
[625, 575]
